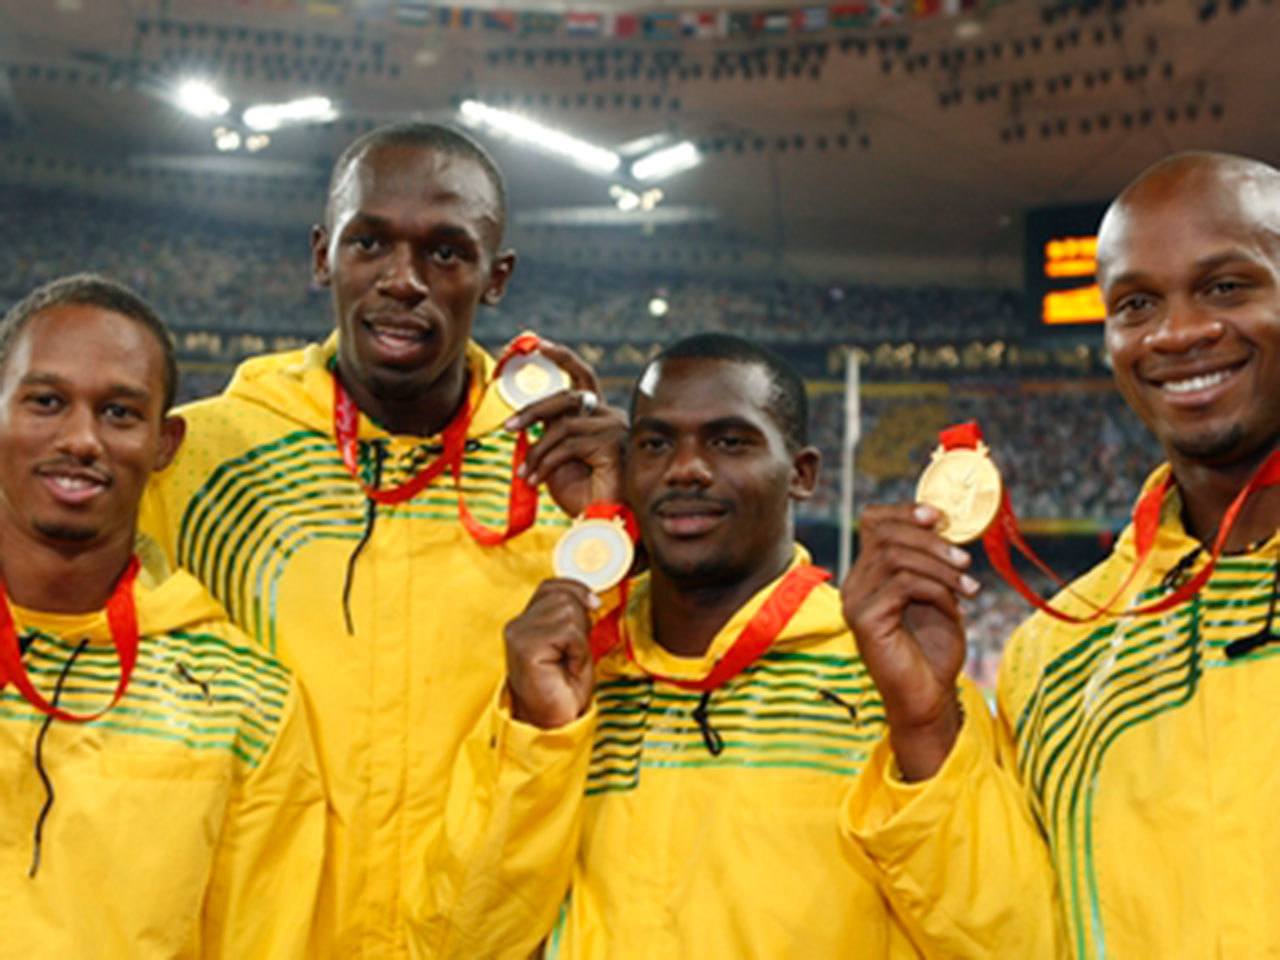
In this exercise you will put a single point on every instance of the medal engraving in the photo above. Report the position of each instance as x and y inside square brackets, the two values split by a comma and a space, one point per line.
[964, 485]
[530, 377]
[595, 552]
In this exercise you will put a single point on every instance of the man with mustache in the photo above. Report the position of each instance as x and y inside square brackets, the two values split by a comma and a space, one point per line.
[350, 503]
[734, 710]
[1144, 738]
[159, 785]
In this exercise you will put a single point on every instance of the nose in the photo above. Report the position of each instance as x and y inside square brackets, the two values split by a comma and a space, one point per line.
[78, 434]
[401, 279]
[1185, 326]
[688, 466]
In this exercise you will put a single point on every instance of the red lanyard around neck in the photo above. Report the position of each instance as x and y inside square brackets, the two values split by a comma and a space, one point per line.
[122, 618]
[759, 633]
[522, 500]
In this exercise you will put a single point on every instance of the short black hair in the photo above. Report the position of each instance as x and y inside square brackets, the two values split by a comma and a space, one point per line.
[431, 136]
[788, 402]
[94, 290]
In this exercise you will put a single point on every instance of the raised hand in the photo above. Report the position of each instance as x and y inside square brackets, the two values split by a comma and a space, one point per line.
[901, 600]
[549, 668]
[579, 454]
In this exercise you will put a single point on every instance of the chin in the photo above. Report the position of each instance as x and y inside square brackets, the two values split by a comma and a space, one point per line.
[65, 532]
[1221, 445]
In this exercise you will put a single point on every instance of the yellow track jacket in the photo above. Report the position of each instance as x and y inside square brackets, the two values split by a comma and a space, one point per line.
[690, 853]
[1146, 756]
[186, 822]
[420, 766]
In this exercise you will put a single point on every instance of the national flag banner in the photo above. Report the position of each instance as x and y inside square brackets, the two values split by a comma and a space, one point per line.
[537, 22]
[703, 25]
[583, 24]
[742, 24]
[415, 13]
[456, 18]
[888, 12]
[777, 21]
[851, 15]
[811, 19]
[922, 9]
[661, 26]
[624, 25]
[503, 20]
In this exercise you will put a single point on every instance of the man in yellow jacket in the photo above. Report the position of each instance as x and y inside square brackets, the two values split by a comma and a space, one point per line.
[347, 503]
[734, 711]
[160, 790]
[1144, 739]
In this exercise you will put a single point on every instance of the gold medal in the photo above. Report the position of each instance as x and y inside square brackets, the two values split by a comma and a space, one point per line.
[964, 485]
[596, 552]
[530, 377]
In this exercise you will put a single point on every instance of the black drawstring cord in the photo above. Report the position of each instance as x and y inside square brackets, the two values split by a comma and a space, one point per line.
[370, 516]
[1243, 645]
[710, 736]
[38, 837]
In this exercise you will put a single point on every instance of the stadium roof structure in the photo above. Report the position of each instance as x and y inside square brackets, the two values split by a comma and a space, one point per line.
[886, 141]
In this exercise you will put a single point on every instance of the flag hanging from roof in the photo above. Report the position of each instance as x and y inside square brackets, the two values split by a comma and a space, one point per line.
[741, 23]
[504, 20]
[538, 22]
[661, 26]
[811, 19]
[775, 21]
[362, 9]
[851, 15]
[704, 25]
[888, 11]
[328, 8]
[623, 25]
[583, 24]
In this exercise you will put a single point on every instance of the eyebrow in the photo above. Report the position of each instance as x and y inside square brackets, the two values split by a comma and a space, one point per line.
[1203, 265]
[711, 426]
[115, 390]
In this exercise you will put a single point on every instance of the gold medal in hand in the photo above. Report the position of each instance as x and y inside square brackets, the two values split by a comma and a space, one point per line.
[963, 484]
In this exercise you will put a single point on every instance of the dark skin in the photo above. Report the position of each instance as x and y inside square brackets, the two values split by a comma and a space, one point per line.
[711, 477]
[1189, 266]
[411, 248]
[82, 428]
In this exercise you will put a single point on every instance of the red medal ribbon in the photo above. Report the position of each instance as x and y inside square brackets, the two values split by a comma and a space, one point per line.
[122, 618]
[756, 637]
[1146, 523]
[522, 502]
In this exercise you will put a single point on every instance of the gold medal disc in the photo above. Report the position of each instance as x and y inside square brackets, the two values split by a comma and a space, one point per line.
[965, 486]
[595, 552]
[530, 377]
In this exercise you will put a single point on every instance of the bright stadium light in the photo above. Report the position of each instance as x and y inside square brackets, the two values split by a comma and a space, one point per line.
[658, 306]
[226, 139]
[201, 99]
[665, 162]
[557, 142]
[264, 117]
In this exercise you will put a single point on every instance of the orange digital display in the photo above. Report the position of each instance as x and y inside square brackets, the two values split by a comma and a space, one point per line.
[1071, 258]
[1061, 268]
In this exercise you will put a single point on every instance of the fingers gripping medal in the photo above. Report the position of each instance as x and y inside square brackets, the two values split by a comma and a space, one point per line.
[598, 549]
[962, 483]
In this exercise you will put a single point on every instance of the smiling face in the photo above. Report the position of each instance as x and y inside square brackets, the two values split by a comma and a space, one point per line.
[82, 427]
[709, 474]
[410, 252]
[1189, 264]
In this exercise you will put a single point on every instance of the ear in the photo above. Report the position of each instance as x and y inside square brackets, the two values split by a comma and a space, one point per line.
[804, 473]
[172, 430]
[504, 264]
[320, 255]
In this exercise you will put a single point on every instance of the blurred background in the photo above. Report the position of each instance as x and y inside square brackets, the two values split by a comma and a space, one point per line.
[907, 186]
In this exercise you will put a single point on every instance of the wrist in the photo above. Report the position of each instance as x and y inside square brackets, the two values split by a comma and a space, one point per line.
[921, 748]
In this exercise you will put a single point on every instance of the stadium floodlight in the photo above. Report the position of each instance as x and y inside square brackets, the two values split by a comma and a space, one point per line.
[226, 139]
[265, 117]
[201, 99]
[665, 162]
[553, 141]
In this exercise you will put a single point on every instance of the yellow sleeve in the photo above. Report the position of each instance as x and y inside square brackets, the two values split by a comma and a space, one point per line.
[512, 823]
[959, 856]
[266, 873]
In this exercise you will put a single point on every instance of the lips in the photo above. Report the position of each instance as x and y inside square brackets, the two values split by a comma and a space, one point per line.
[689, 518]
[73, 487]
[1197, 386]
[398, 339]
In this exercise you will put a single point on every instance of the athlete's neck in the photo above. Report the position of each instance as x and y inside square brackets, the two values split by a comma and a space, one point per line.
[1207, 492]
[422, 414]
[62, 577]
[687, 615]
